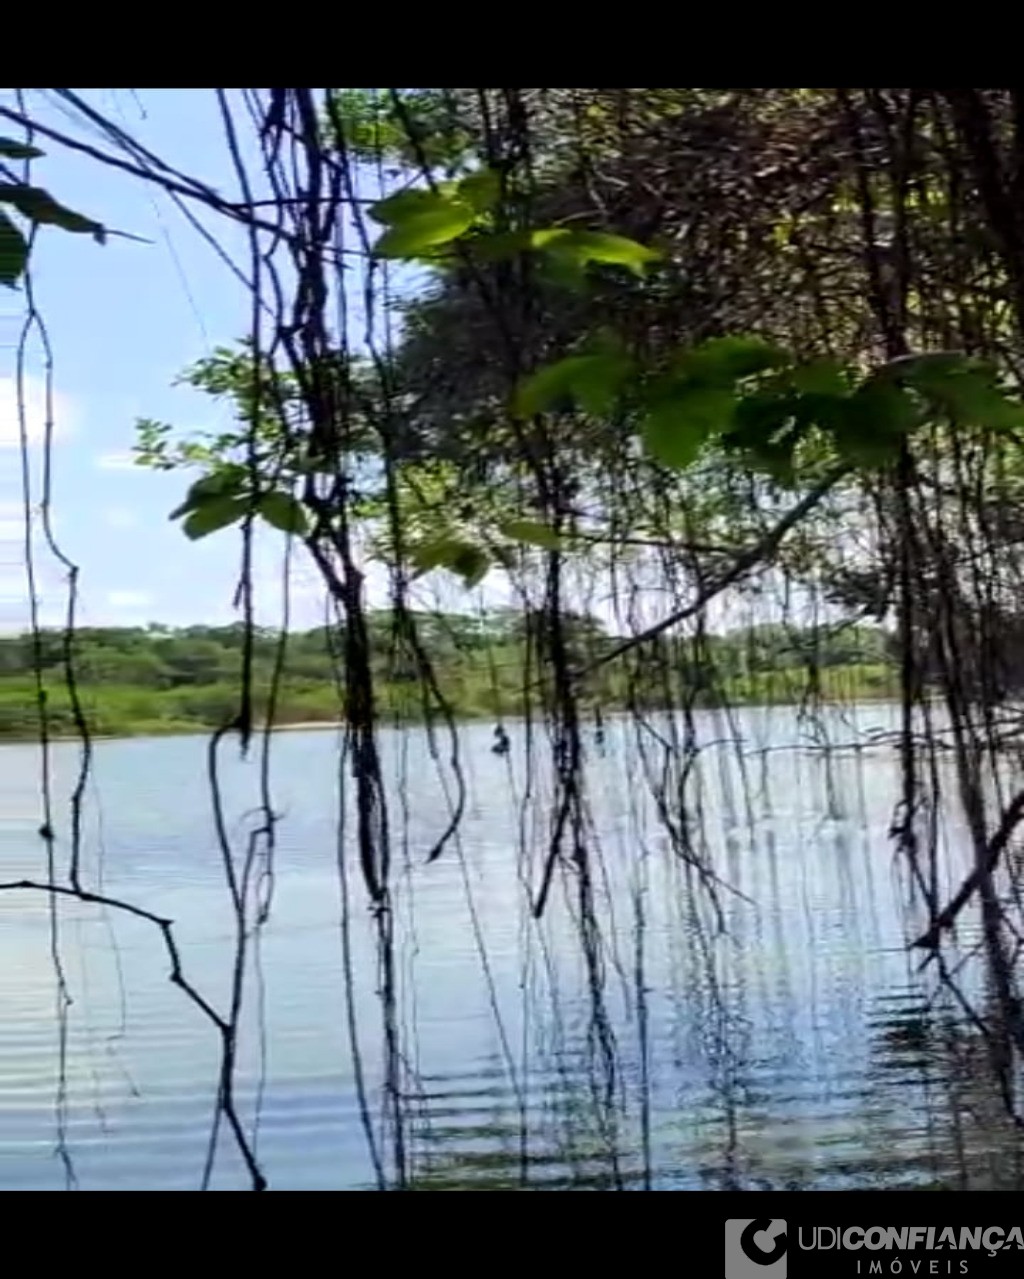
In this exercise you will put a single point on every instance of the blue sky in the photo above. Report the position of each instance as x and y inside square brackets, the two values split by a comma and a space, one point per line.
[124, 319]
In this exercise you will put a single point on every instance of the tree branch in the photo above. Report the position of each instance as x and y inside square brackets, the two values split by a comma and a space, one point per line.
[993, 851]
[196, 191]
[177, 976]
[744, 563]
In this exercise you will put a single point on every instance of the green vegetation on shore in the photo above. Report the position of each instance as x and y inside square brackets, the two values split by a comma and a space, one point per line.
[143, 681]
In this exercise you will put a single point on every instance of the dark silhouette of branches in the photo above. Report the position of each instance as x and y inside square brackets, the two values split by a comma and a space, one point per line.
[743, 564]
[224, 1026]
[946, 918]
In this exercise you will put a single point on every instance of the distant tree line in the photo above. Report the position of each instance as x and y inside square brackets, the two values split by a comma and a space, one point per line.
[137, 680]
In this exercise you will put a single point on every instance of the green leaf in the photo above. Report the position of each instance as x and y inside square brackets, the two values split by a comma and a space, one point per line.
[13, 252]
[821, 377]
[726, 360]
[595, 246]
[425, 231]
[226, 482]
[533, 532]
[468, 561]
[472, 565]
[967, 390]
[549, 237]
[767, 428]
[39, 206]
[878, 407]
[547, 387]
[675, 430]
[284, 512]
[873, 424]
[599, 381]
[11, 149]
[593, 381]
[969, 395]
[213, 515]
[869, 453]
[613, 250]
[431, 555]
[829, 412]
[563, 270]
[418, 221]
[481, 190]
[397, 209]
[910, 368]
[758, 419]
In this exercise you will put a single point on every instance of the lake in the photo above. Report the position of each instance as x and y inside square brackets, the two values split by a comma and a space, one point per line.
[784, 1040]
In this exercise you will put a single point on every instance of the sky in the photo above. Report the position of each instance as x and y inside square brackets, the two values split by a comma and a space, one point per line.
[124, 319]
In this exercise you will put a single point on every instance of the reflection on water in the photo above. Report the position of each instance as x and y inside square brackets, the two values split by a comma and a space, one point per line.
[794, 1047]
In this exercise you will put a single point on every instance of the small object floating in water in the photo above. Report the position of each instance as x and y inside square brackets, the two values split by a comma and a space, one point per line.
[501, 742]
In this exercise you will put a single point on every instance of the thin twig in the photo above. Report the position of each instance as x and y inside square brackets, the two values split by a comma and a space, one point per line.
[743, 565]
[176, 976]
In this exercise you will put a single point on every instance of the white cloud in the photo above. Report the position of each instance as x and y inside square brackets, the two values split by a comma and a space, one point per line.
[35, 412]
[122, 461]
[119, 517]
[129, 599]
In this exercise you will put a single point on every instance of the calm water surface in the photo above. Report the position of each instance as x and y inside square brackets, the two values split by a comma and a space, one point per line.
[793, 1047]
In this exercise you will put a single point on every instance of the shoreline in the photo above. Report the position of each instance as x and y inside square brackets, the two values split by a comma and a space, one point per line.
[191, 730]
[153, 732]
